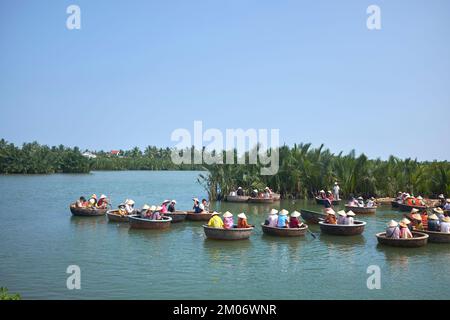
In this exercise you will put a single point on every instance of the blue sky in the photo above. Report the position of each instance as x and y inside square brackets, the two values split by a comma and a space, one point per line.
[137, 70]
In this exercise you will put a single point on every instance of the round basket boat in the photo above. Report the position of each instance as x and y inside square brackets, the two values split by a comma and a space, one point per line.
[312, 217]
[322, 201]
[136, 222]
[260, 200]
[192, 216]
[237, 198]
[343, 229]
[361, 210]
[227, 234]
[87, 212]
[177, 216]
[284, 232]
[437, 237]
[407, 208]
[114, 216]
[419, 239]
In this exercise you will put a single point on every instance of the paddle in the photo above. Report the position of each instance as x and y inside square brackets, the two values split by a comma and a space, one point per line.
[313, 235]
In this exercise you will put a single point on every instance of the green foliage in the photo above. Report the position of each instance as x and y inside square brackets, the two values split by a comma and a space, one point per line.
[304, 171]
[4, 295]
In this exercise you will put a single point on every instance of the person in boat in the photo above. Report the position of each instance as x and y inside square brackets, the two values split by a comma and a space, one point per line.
[433, 223]
[349, 219]
[336, 190]
[145, 212]
[417, 222]
[410, 200]
[102, 202]
[294, 221]
[360, 202]
[272, 220]
[331, 217]
[254, 193]
[445, 225]
[440, 213]
[267, 193]
[242, 221]
[156, 214]
[283, 219]
[164, 206]
[240, 192]
[393, 230]
[447, 205]
[129, 206]
[81, 203]
[204, 205]
[171, 207]
[370, 203]
[92, 203]
[322, 194]
[121, 209]
[399, 198]
[228, 222]
[405, 233]
[196, 207]
[353, 202]
[215, 221]
[341, 217]
[442, 201]
[330, 196]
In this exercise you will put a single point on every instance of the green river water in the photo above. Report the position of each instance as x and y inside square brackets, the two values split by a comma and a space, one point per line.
[39, 239]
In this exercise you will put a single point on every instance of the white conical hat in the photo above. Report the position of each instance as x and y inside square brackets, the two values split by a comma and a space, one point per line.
[242, 215]
[214, 213]
[145, 207]
[273, 211]
[392, 223]
[284, 212]
[130, 202]
[351, 213]
[227, 214]
[295, 214]
[342, 213]
[153, 208]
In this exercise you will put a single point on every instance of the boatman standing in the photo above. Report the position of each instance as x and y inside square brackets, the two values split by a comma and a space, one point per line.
[336, 189]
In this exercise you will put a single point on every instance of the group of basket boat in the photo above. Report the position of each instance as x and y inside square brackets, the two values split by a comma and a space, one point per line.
[311, 217]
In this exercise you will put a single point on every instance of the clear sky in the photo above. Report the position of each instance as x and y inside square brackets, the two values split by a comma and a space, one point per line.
[137, 70]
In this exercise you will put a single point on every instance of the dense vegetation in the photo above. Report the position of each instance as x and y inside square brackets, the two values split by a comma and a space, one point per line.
[302, 170]
[5, 295]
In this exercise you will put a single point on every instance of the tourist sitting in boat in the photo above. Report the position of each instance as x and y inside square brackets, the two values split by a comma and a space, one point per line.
[228, 222]
[171, 207]
[204, 206]
[156, 214]
[272, 220]
[102, 202]
[215, 221]
[121, 210]
[445, 225]
[353, 202]
[164, 206]
[330, 196]
[242, 221]
[419, 202]
[240, 192]
[349, 219]
[129, 206]
[254, 193]
[197, 208]
[342, 215]
[145, 212]
[294, 222]
[92, 203]
[370, 203]
[322, 194]
[360, 202]
[417, 222]
[433, 223]
[283, 219]
[331, 217]
[405, 233]
[439, 212]
[393, 230]
[399, 198]
[442, 201]
[447, 205]
[81, 203]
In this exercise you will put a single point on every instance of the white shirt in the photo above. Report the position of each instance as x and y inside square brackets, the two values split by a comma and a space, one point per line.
[349, 220]
[341, 220]
[129, 209]
[336, 189]
[369, 204]
[445, 227]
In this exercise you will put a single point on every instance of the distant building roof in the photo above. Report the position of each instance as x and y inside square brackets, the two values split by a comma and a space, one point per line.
[115, 152]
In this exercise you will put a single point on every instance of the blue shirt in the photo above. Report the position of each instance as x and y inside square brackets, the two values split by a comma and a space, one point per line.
[433, 225]
[282, 221]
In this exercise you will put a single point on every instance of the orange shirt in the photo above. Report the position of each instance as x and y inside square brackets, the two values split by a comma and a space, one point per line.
[330, 219]
[242, 223]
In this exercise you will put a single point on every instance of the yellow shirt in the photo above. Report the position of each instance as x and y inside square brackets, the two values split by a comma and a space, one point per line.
[215, 222]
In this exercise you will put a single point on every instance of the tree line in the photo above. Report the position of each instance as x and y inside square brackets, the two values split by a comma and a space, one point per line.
[303, 170]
